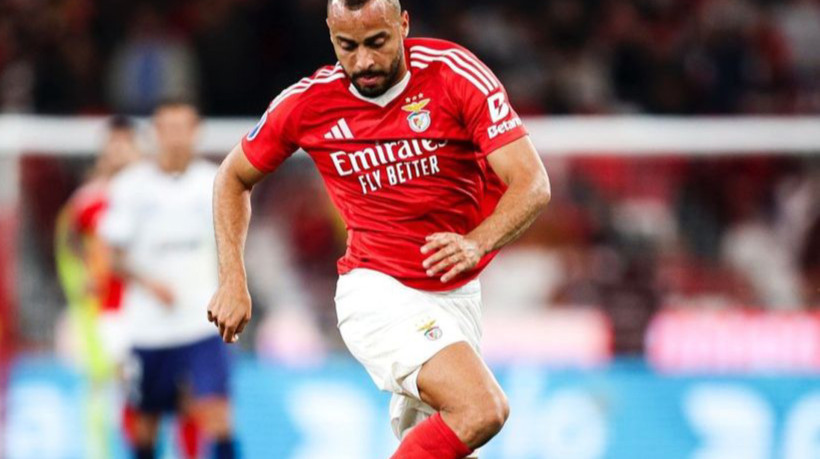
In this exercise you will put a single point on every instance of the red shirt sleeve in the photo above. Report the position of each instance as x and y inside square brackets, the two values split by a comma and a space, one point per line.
[87, 205]
[88, 216]
[484, 107]
[274, 138]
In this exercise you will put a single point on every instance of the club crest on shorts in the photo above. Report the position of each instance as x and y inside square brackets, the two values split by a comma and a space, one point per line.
[431, 330]
[419, 118]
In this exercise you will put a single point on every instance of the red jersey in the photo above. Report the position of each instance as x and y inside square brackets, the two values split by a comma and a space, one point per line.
[88, 204]
[402, 165]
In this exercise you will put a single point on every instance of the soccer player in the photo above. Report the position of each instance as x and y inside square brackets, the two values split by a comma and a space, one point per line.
[432, 172]
[159, 222]
[83, 261]
[92, 290]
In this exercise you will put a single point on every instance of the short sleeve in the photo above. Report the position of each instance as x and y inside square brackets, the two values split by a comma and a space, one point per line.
[274, 138]
[118, 224]
[87, 206]
[483, 105]
[88, 217]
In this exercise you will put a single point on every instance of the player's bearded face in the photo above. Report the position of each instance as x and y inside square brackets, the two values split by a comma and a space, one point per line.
[375, 82]
[369, 43]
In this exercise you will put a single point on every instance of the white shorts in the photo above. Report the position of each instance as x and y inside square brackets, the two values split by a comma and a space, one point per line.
[393, 330]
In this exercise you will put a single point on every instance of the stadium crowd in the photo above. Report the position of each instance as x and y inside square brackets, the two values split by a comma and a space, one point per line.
[629, 236]
[558, 56]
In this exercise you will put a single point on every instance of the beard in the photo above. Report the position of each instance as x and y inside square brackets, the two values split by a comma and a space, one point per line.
[390, 78]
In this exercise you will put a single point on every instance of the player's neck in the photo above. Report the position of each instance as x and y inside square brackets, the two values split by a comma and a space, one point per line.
[173, 165]
[402, 73]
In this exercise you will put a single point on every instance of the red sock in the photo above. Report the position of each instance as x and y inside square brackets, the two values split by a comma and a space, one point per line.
[432, 439]
[188, 436]
[129, 420]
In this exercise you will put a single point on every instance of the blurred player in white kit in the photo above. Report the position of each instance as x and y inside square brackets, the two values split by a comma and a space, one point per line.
[93, 291]
[159, 223]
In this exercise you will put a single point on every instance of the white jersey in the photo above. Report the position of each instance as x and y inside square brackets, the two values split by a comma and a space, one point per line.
[164, 223]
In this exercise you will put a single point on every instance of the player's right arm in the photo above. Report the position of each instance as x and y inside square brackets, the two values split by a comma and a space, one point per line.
[268, 144]
[230, 308]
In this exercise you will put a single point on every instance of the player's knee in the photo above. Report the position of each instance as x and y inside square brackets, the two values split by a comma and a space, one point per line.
[144, 429]
[488, 416]
[213, 417]
[214, 426]
[496, 412]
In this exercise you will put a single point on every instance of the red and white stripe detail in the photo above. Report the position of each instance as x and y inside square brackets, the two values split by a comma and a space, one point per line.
[460, 62]
[322, 77]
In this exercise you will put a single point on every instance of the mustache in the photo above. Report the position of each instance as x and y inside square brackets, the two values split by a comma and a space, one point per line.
[369, 73]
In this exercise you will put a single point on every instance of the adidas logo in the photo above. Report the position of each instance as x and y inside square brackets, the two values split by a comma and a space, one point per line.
[340, 131]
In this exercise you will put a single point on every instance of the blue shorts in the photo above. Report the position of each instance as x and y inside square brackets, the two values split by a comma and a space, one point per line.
[163, 376]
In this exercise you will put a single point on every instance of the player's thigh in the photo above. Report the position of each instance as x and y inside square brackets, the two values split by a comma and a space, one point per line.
[207, 369]
[151, 379]
[206, 385]
[457, 380]
[392, 329]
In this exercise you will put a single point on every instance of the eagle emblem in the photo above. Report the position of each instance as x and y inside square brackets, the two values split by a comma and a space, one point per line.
[419, 118]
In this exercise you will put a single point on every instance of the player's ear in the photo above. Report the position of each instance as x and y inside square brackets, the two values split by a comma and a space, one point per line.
[405, 23]
[197, 128]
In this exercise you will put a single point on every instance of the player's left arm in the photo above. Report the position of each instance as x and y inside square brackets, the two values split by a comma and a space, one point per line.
[527, 194]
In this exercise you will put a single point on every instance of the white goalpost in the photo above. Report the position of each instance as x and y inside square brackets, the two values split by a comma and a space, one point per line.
[573, 135]
[634, 136]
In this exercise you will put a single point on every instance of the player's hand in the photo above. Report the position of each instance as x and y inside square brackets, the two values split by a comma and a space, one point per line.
[161, 291]
[452, 254]
[230, 311]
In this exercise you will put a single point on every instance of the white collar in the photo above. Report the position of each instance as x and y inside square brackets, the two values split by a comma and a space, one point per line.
[390, 95]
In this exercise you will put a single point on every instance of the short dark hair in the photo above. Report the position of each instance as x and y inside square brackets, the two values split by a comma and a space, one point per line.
[354, 5]
[176, 101]
[120, 122]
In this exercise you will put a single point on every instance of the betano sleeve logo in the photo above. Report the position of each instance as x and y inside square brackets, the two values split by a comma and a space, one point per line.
[499, 110]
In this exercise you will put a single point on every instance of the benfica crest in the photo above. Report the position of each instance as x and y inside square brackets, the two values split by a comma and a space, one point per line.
[419, 118]
[431, 330]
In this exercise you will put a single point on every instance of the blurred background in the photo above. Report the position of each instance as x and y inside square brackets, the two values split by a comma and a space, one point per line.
[665, 305]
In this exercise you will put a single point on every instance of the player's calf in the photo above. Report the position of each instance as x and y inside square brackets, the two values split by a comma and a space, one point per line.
[432, 439]
[214, 418]
[143, 431]
[458, 384]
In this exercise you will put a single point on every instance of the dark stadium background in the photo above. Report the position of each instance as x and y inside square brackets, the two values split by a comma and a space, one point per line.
[663, 306]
